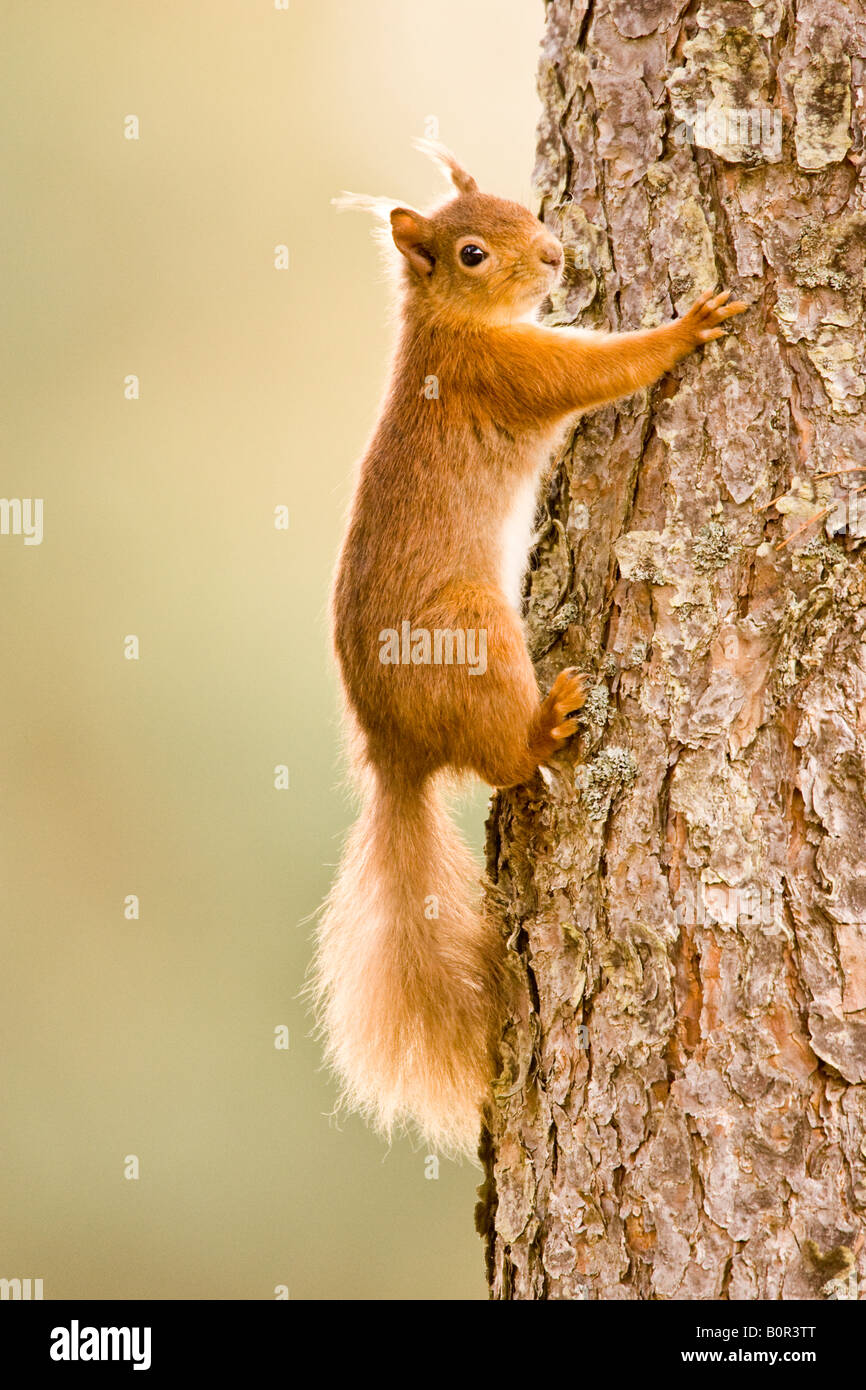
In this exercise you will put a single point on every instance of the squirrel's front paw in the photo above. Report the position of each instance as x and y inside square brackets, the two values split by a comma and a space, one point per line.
[707, 312]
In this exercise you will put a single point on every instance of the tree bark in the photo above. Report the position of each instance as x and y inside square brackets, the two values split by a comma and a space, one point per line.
[682, 1110]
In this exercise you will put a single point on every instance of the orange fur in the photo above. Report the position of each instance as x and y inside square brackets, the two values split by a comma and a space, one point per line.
[409, 978]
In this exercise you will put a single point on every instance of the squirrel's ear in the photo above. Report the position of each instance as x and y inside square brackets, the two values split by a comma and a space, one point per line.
[447, 162]
[412, 237]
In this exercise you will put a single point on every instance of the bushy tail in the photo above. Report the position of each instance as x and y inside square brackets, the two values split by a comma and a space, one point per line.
[409, 979]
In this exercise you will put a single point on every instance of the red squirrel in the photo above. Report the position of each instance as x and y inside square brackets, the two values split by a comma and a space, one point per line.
[410, 978]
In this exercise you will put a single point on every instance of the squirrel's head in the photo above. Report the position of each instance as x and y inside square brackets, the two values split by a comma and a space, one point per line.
[475, 255]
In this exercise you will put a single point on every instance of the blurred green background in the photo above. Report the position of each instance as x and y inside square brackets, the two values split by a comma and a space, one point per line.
[155, 777]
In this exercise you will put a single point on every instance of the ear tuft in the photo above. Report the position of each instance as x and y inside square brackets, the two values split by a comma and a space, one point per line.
[447, 162]
[363, 202]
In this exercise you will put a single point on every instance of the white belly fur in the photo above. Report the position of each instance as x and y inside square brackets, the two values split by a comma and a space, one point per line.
[515, 540]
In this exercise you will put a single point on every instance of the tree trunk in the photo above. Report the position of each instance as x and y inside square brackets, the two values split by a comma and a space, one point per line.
[682, 1112]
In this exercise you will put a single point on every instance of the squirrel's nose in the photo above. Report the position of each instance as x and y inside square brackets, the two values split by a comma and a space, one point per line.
[551, 254]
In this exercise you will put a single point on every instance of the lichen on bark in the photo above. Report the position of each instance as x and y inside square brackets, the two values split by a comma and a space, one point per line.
[682, 1108]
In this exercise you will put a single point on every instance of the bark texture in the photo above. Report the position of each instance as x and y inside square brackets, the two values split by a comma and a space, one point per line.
[682, 1112]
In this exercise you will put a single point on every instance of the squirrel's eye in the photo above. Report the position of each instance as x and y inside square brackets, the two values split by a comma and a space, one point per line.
[472, 255]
